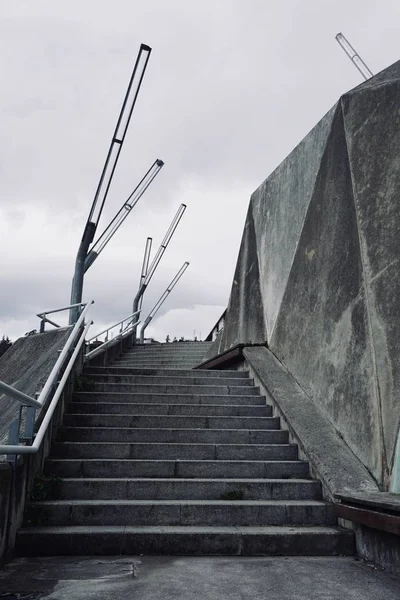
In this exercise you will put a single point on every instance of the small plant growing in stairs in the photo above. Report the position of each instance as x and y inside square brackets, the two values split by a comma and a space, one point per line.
[44, 488]
[83, 384]
[233, 495]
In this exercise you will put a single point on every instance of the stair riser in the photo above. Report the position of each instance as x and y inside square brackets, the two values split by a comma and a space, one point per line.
[171, 421]
[203, 400]
[167, 356]
[294, 543]
[154, 451]
[114, 370]
[167, 489]
[171, 436]
[219, 390]
[168, 347]
[133, 356]
[184, 363]
[161, 468]
[169, 409]
[170, 380]
[184, 515]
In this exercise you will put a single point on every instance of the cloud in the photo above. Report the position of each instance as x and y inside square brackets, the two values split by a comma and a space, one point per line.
[180, 322]
[230, 89]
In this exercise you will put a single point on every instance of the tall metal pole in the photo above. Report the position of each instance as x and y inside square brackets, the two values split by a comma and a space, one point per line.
[145, 266]
[155, 263]
[107, 175]
[162, 299]
[122, 214]
[354, 56]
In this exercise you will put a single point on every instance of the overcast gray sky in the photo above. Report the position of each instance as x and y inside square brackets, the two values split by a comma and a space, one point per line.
[231, 87]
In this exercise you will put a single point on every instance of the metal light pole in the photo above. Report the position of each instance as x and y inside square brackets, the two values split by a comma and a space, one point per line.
[353, 56]
[107, 175]
[123, 213]
[162, 299]
[145, 266]
[155, 262]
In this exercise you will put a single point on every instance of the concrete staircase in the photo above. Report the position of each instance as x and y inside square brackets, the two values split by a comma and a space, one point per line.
[159, 459]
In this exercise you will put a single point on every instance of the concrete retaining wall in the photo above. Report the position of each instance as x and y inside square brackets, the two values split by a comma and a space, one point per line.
[317, 278]
[26, 366]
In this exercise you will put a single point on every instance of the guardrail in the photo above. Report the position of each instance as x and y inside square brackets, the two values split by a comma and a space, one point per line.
[218, 327]
[126, 326]
[32, 404]
[43, 318]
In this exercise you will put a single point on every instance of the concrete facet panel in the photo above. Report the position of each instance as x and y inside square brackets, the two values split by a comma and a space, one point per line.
[279, 207]
[326, 251]
[322, 333]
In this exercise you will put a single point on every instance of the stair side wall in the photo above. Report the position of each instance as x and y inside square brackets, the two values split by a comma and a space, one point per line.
[317, 278]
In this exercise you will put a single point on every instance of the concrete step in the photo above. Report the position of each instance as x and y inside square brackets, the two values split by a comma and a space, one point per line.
[213, 469]
[162, 353]
[170, 365]
[217, 513]
[169, 380]
[170, 421]
[114, 370]
[197, 399]
[173, 451]
[202, 436]
[168, 348]
[186, 489]
[187, 358]
[217, 390]
[166, 352]
[185, 361]
[129, 408]
[130, 540]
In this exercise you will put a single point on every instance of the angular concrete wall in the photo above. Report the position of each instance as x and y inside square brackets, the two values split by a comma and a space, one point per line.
[318, 277]
[26, 366]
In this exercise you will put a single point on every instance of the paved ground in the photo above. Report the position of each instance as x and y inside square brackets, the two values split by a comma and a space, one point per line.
[204, 578]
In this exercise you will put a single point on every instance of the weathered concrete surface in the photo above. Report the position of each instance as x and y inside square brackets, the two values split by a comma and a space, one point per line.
[167, 578]
[332, 460]
[322, 235]
[26, 366]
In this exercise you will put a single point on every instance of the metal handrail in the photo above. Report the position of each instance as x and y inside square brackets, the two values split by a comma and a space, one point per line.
[218, 327]
[17, 395]
[51, 378]
[123, 332]
[45, 320]
[34, 448]
[38, 403]
[11, 449]
[112, 326]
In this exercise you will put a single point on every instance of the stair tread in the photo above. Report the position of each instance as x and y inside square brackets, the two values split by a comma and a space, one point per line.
[263, 529]
[180, 480]
[210, 502]
[166, 395]
[79, 443]
[90, 427]
[180, 461]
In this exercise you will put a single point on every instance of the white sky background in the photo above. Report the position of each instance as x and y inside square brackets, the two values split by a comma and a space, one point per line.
[231, 87]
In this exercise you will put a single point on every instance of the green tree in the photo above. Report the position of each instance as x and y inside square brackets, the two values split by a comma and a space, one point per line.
[5, 344]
